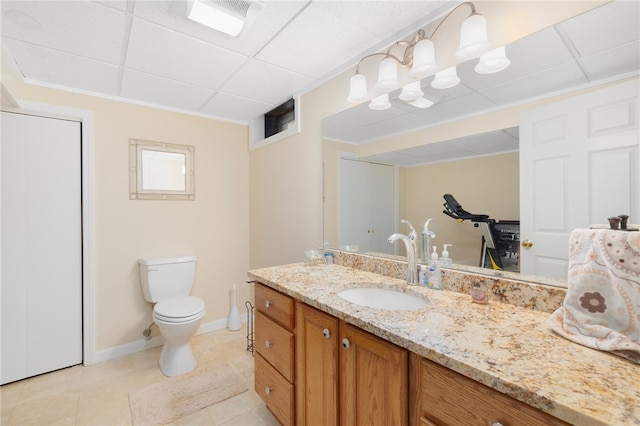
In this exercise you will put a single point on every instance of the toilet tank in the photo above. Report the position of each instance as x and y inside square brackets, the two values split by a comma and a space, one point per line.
[166, 277]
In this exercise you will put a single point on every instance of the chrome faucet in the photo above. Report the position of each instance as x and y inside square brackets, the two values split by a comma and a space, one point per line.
[413, 235]
[426, 240]
[412, 264]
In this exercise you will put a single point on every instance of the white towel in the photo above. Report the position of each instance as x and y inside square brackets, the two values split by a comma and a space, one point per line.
[602, 307]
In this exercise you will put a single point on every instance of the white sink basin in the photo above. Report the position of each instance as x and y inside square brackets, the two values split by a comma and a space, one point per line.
[383, 299]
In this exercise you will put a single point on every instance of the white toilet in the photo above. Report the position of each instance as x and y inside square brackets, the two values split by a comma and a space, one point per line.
[167, 282]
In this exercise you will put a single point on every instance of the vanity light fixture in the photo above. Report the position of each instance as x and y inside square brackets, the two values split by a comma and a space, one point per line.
[229, 17]
[419, 58]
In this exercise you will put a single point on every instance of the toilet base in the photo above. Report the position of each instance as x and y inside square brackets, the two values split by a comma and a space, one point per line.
[177, 359]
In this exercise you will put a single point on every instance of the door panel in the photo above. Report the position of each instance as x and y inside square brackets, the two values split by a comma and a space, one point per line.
[41, 245]
[579, 161]
[365, 215]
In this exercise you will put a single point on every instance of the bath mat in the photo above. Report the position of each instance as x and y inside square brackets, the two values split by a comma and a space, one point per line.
[176, 397]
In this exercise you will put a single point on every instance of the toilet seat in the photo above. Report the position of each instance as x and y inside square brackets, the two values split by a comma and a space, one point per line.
[178, 310]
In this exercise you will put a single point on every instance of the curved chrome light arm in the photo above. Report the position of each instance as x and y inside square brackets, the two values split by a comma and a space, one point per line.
[407, 60]
[467, 3]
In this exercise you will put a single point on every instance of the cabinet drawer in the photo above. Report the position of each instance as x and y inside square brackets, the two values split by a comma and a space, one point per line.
[277, 306]
[449, 398]
[275, 391]
[275, 344]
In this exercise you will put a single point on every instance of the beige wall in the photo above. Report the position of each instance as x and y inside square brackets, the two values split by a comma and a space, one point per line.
[214, 227]
[286, 183]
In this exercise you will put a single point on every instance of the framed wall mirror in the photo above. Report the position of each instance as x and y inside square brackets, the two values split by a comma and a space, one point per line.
[469, 142]
[161, 171]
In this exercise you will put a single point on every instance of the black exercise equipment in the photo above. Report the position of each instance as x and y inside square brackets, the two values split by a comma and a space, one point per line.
[500, 240]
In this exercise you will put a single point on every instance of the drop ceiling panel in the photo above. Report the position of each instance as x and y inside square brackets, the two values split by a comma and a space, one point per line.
[618, 60]
[265, 82]
[159, 90]
[333, 129]
[617, 24]
[59, 68]
[234, 107]
[359, 135]
[396, 15]
[546, 81]
[395, 125]
[456, 107]
[82, 28]
[325, 30]
[159, 51]
[430, 150]
[363, 116]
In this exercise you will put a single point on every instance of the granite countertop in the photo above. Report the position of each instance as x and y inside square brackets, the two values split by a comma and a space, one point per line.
[503, 346]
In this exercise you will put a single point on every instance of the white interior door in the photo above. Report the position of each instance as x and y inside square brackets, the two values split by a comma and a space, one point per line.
[366, 206]
[579, 164]
[41, 245]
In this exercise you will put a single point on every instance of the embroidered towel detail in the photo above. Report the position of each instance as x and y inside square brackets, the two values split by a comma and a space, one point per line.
[602, 307]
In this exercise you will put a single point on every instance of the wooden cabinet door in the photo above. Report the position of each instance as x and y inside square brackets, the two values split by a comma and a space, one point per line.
[316, 368]
[442, 397]
[373, 380]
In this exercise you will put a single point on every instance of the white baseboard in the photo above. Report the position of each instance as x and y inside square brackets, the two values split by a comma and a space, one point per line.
[142, 344]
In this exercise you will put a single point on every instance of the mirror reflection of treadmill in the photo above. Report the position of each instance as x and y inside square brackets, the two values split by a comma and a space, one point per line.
[500, 239]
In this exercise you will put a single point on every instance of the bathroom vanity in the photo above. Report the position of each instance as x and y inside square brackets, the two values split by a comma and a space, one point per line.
[453, 362]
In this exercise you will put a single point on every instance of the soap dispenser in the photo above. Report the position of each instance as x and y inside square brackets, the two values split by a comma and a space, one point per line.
[434, 255]
[445, 260]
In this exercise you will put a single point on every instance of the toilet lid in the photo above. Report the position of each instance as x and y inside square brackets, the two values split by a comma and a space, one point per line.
[179, 308]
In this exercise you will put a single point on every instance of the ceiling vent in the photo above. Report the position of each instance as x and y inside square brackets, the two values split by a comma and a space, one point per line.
[227, 16]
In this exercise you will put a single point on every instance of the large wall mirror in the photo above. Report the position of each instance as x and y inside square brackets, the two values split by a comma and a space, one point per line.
[161, 171]
[467, 143]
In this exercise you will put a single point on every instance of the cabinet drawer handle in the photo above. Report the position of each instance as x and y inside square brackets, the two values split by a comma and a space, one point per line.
[326, 333]
[267, 343]
[346, 343]
[267, 304]
[496, 424]
[267, 390]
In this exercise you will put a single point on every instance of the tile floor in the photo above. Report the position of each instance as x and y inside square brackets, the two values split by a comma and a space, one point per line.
[99, 394]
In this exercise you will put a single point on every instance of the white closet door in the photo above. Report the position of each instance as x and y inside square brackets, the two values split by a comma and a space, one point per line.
[366, 207]
[579, 164]
[41, 245]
